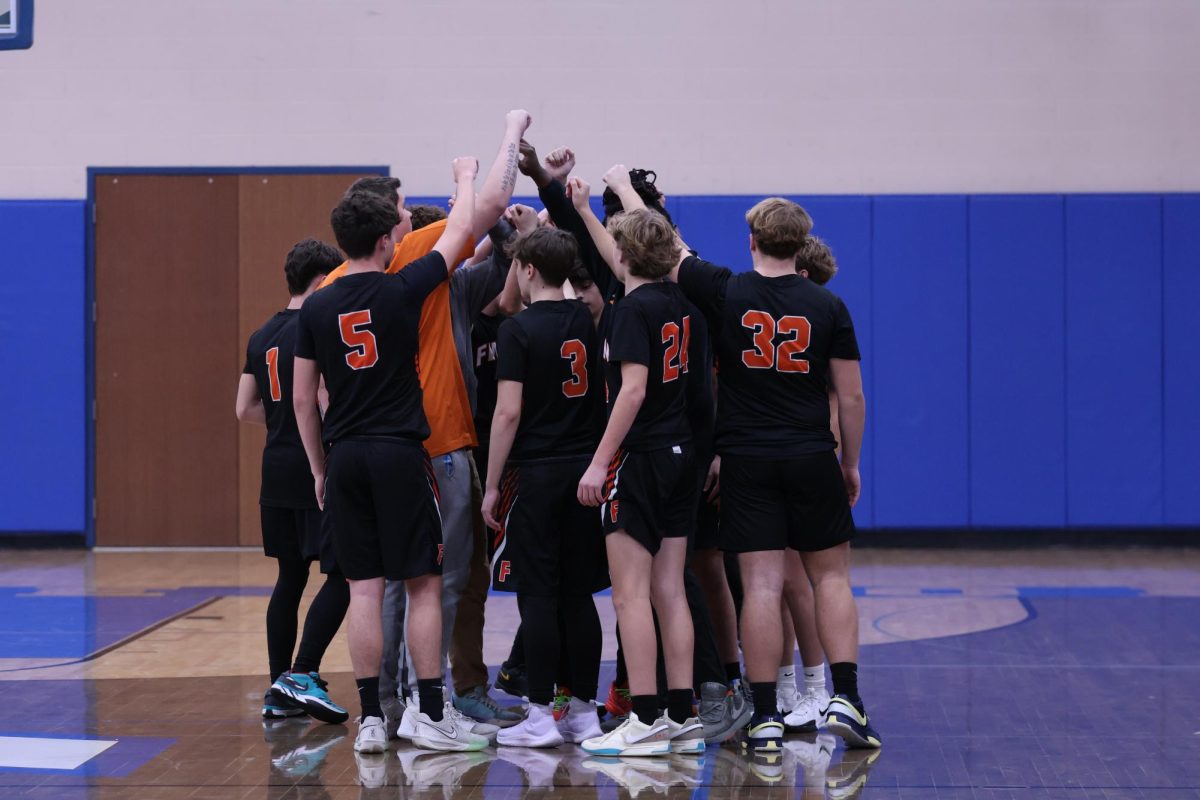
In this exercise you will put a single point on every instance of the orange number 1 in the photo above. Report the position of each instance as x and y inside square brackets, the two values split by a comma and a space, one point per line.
[273, 374]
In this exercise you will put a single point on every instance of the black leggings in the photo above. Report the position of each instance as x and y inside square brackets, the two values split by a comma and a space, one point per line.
[320, 625]
[544, 643]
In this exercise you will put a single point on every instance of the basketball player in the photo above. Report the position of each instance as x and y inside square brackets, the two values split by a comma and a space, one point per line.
[291, 521]
[642, 476]
[781, 485]
[360, 335]
[551, 550]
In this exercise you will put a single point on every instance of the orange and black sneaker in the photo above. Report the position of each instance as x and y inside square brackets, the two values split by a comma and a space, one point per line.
[619, 703]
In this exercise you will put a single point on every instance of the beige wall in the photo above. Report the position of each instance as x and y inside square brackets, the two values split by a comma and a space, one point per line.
[831, 96]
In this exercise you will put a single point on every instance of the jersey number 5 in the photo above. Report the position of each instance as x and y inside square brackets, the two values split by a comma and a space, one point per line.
[273, 374]
[575, 352]
[765, 354]
[675, 357]
[363, 354]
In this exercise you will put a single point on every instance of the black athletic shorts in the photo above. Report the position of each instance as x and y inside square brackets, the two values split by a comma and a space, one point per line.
[777, 503]
[381, 499]
[548, 544]
[651, 495]
[297, 534]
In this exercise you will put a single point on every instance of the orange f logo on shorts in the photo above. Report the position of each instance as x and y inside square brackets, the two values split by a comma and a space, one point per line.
[613, 510]
[505, 570]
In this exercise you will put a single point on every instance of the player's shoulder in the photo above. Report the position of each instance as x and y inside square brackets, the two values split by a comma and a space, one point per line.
[279, 322]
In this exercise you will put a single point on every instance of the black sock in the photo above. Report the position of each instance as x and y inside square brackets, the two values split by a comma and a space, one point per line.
[429, 692]
[679, 704]
[845, 681]
[539, 634]
[282, 611]
[733, 672]
[764, 698]
[646, 708]
[582, 641]
[368, 697]
[516, 655]
[324, 617]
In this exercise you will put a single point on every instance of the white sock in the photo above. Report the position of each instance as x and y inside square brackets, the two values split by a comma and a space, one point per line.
[786, 676]
[814, 678]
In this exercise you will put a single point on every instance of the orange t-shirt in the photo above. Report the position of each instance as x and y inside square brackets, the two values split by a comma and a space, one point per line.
[447, 406]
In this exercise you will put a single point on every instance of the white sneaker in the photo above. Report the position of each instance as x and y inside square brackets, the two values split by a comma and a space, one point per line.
[423, 770]
[580, 722]
[539, 766]
[408, 725]
[372, 736]
[536, 730]
[632, 738]
[450, 733]
[813, 756]
[687, 738]
[808, 713]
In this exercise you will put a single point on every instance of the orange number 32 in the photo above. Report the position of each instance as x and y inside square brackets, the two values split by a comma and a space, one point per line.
[765, 355]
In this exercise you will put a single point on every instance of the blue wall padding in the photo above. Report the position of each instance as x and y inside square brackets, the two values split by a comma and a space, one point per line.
[920, 372]
[1018, 431]
[42, 363]
[1114, 360]
[1181, 381]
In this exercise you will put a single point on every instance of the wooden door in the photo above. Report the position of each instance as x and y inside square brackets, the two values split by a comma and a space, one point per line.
[166, 332]
[187, 267]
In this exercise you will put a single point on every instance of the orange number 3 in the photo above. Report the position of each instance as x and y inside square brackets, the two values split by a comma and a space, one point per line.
[363, 354]
[576, 353]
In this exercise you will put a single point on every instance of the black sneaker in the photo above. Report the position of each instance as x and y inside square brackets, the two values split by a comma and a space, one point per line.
[277, 705]
[765, 733]
[512, 680]
[847, 721]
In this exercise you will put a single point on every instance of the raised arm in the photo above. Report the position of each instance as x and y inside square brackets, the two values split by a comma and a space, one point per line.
[579, 191]
[497, 189]
[617, 179]
[852, 418]
[459, 229]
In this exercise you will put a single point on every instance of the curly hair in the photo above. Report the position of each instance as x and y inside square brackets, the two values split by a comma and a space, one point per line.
[307, 260]
[643, 183]
[779, 227]
[816, 257]
[647, 242]
[423, 215]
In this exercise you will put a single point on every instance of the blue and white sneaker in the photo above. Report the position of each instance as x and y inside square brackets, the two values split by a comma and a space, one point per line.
[308, 690]
[845, 720]
[765, 734]
[279, 706]
[479, 706]
[307, 755]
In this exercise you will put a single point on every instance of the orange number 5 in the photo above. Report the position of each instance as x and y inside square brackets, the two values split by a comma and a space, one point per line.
[363, 354]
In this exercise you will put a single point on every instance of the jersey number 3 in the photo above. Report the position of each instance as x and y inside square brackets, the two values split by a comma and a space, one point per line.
[765, 354]
[363, 354]
[575, 352]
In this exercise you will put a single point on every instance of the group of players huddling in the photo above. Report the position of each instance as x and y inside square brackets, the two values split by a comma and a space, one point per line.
[611, 461]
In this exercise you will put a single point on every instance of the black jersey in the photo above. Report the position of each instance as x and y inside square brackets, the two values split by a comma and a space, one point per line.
[701, 401]
[547, 348]
[651, 326]
[287, 481]
[774, 340]
[483, 346]
[362, 332]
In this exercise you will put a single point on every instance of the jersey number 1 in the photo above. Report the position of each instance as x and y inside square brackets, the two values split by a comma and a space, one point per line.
[273, 374]
[765, 354]
[575, 352]
[363, 354]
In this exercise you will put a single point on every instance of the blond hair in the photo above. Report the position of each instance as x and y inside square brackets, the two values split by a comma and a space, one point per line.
[779, 227]
[647, 243]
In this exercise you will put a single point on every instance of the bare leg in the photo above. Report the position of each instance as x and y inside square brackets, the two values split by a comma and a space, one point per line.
[424, 632]
[674, 616]
[365, 627]
[631, 572]
[762, 629]
[836, 613]
[788, 651]
[798, 593]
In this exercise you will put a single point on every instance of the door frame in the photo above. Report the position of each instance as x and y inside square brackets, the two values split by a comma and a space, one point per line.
[89, 294]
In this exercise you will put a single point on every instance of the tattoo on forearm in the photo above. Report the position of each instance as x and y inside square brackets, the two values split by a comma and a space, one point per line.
[510, 170]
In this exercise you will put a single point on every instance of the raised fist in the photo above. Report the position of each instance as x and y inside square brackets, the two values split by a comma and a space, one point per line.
[523, 218]
[527, 158]
[579, 191]
[465, 167]
[519, 118]
[617, 177]
[559, 163]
